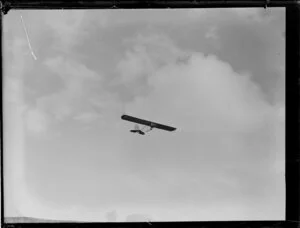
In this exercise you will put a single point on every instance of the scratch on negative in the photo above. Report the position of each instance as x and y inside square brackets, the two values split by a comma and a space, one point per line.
[28, 41]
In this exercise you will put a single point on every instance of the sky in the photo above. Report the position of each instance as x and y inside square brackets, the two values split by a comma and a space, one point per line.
[217, 75]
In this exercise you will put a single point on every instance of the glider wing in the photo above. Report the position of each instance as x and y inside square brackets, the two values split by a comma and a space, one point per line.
[147, 123]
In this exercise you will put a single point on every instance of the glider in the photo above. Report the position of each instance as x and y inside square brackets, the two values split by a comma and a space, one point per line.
[145, 123]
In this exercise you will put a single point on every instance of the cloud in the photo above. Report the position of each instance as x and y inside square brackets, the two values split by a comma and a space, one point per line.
[77, 80]
[224, 118]
[281, 113]
[134, 65]
[209, 90]
[147, 54]
[36, 121]
[279, 142]
[67, 26]
[87, 117]
[220, 114]
[14, 89]
[225, 110]
[16, 66]
[211, 33]
[69, 69]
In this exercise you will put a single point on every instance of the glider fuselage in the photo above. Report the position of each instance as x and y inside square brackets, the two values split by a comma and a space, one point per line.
[137, 131]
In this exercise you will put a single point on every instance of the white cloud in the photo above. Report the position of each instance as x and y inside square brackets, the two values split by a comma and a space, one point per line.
[78, 81]
[67, 26]
[148, 54]
[134, 65]
[281, 113]
[231, 125]
[279, 139]
[211, 33]
[13, 90]
[36, 121]
[68, 69]
[15, 67]
[202, 95]
[14, 70]
[87, 117]
[210, 92]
